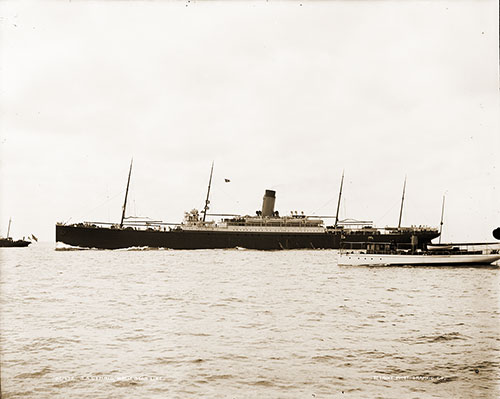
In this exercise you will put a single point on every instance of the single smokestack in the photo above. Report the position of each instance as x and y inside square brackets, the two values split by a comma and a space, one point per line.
[268, 203]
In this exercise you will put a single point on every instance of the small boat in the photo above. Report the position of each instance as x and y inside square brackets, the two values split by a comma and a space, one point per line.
[397, 254]
[387, 255]
[9, 242]
[439, 247]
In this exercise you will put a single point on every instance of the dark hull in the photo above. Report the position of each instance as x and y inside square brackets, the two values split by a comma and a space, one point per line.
[108, 238]
[11, 244]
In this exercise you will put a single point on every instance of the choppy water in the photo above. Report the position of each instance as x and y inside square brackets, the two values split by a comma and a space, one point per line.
[243, 324]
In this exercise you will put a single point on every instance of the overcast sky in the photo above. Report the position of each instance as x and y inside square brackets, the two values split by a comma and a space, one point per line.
[281, 95]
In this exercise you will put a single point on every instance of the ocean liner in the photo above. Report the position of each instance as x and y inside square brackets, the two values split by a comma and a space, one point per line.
[267, 230]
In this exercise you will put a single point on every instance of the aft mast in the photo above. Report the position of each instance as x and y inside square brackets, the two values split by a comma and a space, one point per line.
[338, 204]
[207, 201]
[402, 202]
[8, 228]
[126, 194]
[441, 223]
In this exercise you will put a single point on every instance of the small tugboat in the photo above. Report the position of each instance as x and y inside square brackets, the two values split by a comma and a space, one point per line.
[9, 242]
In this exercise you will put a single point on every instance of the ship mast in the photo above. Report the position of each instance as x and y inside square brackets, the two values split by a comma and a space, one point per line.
[402, 202]
[207, 201]
[338, 204]
[126, 194]
[441, 223]
[8, 229]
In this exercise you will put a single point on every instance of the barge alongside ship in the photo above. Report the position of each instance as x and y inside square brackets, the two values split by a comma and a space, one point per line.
[267, 230]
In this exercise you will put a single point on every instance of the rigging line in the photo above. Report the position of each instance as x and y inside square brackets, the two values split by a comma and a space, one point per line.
[324, 205]
[217, 188]
[385, 214]
[131, 218]
[102, 204]
[344, 208]
[112, 178]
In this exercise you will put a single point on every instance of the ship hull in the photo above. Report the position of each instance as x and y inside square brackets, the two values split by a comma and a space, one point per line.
[110, 238]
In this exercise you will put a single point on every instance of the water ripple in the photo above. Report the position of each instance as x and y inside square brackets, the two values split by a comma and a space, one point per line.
[243, 324]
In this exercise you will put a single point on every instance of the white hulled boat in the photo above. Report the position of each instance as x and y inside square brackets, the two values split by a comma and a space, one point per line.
[440, 255]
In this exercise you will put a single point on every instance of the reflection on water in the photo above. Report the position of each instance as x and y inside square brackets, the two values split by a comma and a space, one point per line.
[243, 324]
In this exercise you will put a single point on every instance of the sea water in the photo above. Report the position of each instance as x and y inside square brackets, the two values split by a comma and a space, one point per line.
[242, 324]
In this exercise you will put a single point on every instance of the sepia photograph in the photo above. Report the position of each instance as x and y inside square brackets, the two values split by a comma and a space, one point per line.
[249, 198]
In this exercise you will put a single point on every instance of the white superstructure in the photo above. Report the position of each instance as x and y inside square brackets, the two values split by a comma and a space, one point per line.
[274, 223]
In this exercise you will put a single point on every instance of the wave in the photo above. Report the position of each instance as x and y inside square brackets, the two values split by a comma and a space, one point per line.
[442, 337]
[34, 374]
